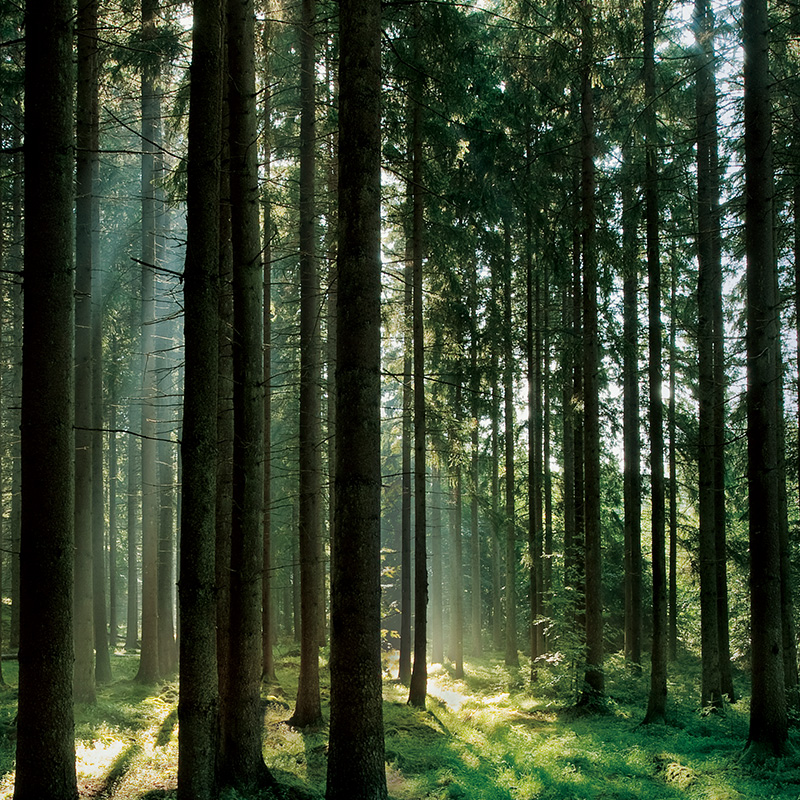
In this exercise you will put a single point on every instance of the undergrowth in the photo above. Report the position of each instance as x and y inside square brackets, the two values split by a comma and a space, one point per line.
[490, 736]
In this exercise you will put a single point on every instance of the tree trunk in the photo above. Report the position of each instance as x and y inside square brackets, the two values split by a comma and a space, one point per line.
[711, 688]
[87, 144]
[132, 599]
[102, 655]
[768, 733]
[113, 538]
[657, 701]
[594, 682]
[496, 533]
[475, 475]
[243, 766]
[356, 769]
[511, 652]
[308, 710]
[436, 604]
[151, 113]
[404, 668]
[457, 622]
[673, 477]
[419, 673]
[45, 765]
[632, 476]
[199, 699]
[268, 616]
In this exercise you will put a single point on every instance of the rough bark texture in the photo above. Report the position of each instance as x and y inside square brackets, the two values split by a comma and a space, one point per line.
[711, 686]
[45, 766]
[511, 652]
[151, 113]
[768, 715]
[632, 477]
[594, 682]
[243, 767]
[198, 701]
[356, 751]
[308, 710]
[419, 672]
[86, 141]
[657, 700]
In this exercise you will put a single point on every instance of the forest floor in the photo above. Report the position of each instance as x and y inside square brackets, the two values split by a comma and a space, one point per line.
[487, 737]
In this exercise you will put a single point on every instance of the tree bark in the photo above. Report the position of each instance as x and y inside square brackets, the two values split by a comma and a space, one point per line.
[657, 701]
[45, 764]
[308, 710]
[594, 682]
[356, 769]
[768, 734]
[243, 767]
[199, 699]
[85, 252]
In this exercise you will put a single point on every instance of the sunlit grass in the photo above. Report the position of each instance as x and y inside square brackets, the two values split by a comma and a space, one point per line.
[489, 736]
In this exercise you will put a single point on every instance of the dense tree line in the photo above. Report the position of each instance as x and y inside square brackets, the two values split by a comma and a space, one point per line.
[430, 328]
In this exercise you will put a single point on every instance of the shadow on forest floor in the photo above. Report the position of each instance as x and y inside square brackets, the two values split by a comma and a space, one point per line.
[489, 736]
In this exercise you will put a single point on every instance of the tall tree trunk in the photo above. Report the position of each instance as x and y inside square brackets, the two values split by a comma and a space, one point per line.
[673, 474]
[45, 765]
[268, 616]
[594, 682]
[475, 475]
[657, 701]
[199, 698]
[419, 673]
[85, 252]
[308, 710]
[151, 113]
[404, 667]
[167, 653]
[132, 599]
[632, 477]
[511, 652]
[102, 655]
[113, 533]
[768, 733]
[436, 604]
[16, 373]
[457, 622]
[496, 532]
[711, 689]
[243, 766]
[356, 769]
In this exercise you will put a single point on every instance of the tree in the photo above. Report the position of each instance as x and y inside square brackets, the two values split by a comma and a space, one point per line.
[419, 673]
[511, 652]
[151, 119]
[711, 690]
[768, 732]
[656, 704]
[198, 699]
[308, 710]
[45, 765]
[356, 751]
[86, 255]
[594, 682]
[243, 765]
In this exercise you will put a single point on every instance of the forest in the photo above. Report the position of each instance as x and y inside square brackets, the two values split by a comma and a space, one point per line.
[399, 399]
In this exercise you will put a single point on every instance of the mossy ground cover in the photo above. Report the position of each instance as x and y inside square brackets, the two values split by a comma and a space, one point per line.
[490, 736]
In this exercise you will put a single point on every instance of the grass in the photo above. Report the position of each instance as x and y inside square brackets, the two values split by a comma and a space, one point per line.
[489, 736]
